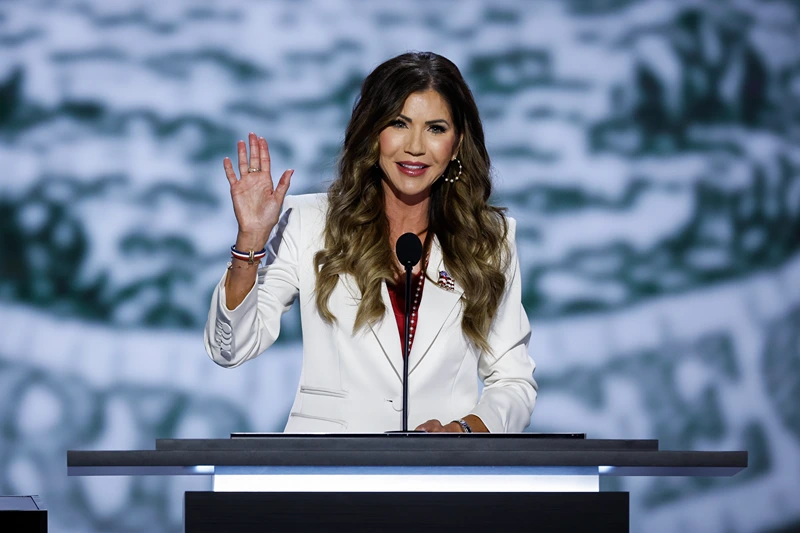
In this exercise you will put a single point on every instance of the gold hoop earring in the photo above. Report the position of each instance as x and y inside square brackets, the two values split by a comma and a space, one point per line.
[453, 180]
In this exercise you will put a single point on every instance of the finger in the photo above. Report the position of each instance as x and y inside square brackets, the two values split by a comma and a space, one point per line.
[254, 160]
[229, 173]
[241, 151]
[283, 184]
[264, 160]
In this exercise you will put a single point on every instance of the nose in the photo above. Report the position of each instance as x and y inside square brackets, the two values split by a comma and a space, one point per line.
[415, 144]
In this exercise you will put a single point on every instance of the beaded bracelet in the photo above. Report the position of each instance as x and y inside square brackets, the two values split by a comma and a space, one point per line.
[251, 256]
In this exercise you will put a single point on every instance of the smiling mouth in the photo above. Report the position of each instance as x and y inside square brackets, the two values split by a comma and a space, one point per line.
[412, 169]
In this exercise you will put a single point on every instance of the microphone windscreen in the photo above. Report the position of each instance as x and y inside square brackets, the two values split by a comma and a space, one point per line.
[408, 249]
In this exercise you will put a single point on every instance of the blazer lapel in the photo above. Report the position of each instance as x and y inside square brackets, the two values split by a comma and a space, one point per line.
[435, 308]
[384, 331]
[388, 335]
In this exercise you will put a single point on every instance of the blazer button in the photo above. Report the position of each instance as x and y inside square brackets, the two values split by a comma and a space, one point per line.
[226, 354]
[226, 328]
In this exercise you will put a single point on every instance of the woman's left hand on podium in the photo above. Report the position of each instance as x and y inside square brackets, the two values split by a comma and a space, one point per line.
[434, 426]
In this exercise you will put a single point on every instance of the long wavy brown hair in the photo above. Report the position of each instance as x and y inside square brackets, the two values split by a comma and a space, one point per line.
[471, 233]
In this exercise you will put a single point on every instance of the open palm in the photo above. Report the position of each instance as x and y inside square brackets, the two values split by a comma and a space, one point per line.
[257, 201]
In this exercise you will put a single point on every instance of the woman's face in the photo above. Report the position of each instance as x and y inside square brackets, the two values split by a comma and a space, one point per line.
[417, 146]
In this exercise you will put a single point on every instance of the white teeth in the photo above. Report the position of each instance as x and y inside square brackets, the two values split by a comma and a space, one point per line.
[414, 167]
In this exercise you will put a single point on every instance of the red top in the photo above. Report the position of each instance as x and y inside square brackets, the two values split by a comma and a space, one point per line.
[397, 293]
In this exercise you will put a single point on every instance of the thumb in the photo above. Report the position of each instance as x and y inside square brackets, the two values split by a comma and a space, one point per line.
[283, 183]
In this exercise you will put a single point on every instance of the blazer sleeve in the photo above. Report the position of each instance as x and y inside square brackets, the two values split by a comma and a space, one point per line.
[509, 391]
[232, 336]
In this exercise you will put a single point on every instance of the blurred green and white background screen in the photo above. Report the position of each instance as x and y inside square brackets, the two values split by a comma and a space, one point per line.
[650, 151]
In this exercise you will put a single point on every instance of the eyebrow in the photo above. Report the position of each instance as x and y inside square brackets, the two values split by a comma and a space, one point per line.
[436, 121]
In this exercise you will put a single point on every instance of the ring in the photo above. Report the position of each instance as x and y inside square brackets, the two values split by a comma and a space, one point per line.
[253, 169]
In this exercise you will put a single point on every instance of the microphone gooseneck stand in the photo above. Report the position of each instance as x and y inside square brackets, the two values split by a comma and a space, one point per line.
[409, 252]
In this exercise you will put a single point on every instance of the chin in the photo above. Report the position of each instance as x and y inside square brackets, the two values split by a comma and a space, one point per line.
[415, 190]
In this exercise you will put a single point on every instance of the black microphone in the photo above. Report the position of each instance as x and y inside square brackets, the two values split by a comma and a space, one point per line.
[409, 252]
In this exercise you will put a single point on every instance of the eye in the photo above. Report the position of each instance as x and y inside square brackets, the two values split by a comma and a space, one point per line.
[437, 128]
[397, 123]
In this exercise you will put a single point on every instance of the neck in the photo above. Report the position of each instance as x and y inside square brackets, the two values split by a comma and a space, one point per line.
[406, 215]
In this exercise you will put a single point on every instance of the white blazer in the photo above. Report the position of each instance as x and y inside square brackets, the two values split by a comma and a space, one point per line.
[352, 381]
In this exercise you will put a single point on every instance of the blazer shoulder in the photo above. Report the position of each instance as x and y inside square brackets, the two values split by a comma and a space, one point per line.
[511, 230]
[306, 202]
[512, 225]
[311, 208]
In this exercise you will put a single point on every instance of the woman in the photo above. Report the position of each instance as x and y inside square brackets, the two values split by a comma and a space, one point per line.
[413, 160]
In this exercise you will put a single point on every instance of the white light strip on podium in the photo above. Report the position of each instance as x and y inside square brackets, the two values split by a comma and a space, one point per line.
[405, 480]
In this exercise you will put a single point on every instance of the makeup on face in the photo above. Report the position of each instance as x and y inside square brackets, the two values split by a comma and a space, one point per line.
[417, 146]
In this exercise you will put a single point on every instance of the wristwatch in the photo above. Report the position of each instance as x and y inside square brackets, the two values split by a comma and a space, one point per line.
[464, 426]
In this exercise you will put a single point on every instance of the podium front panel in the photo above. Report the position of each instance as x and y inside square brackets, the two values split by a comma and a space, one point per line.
[404, 512]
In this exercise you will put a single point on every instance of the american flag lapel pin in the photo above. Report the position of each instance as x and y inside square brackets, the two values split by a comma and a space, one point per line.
[445, 281]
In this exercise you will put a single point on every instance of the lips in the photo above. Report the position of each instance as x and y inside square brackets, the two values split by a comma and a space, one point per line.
[412, 168]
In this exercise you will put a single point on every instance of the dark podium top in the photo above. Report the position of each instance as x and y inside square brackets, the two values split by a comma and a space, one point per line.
[21, 503]
[611, 457]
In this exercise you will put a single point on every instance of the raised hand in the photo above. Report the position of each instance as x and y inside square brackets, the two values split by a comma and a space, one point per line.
[256, 201]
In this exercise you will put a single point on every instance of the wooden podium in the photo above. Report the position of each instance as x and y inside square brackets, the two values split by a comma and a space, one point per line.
[406, 482]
